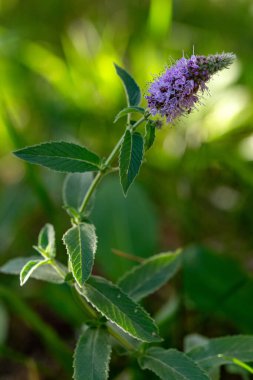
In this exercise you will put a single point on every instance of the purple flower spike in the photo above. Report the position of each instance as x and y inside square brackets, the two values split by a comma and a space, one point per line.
[176, 91]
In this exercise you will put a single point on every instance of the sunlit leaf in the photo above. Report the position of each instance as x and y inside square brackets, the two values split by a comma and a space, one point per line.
[61, 156]
[29, 268]
[44, 273]
[46, 241]
[115, 305]
[133, 92]
[81, 244]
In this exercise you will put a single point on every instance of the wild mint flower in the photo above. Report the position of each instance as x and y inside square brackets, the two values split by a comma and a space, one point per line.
[177, 90]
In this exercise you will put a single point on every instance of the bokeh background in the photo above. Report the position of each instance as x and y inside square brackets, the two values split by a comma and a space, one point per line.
[57, 82]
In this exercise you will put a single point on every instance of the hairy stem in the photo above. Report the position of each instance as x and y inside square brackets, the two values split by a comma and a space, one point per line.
[107, 163]
[120, 338]
[62, 273]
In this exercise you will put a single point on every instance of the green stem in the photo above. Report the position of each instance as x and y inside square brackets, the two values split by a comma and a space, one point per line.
[62, 273]
[85, 304]
[106, 168]
[120, 338]
[107, 163]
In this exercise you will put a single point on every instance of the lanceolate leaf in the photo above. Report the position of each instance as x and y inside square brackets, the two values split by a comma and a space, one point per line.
[44, 273]
[61, 156]
[133, 92]
[92, 355]
[81, 244]
[171, 364]
[150, 134]
[115, 305]
[131, 156]
[150, 275]
[46, 241]
[128, 110]
[29, 268]
[74, 189]
[217, 351]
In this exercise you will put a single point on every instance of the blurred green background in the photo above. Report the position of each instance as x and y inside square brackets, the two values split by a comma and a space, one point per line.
[57, 82]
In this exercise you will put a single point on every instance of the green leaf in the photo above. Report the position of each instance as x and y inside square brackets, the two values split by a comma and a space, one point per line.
[150, 134]
[92, 355]
[171, 364]
[115, 305]
[128, 110]
[44, 273]
[29, 268]
[81, 244]
[61, 156]
[150, 275]
[131, 155]
[219, 351]
[46, 241]
[133, 92]
[74, 189]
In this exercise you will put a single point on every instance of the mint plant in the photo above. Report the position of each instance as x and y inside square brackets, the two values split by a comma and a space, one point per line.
[113, 315]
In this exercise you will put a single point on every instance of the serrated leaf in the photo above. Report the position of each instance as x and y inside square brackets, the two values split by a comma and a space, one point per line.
[217, 351]
[81, 244]
[128, 110]
[46, 240]
[150, 134]
[131, 156]
[61, 156]
[92, 355]
[150, 275]
[29, 268]
[133, 92]
[171, 364]
[74, 189]
[44, 273]
[115, 305]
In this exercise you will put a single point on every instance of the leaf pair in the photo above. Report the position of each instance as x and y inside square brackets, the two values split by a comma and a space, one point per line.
[46, 247]
[133, 144]
[45, 272]
[118, 303]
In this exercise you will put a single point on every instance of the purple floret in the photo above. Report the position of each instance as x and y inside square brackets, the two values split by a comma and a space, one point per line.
[177, 90]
